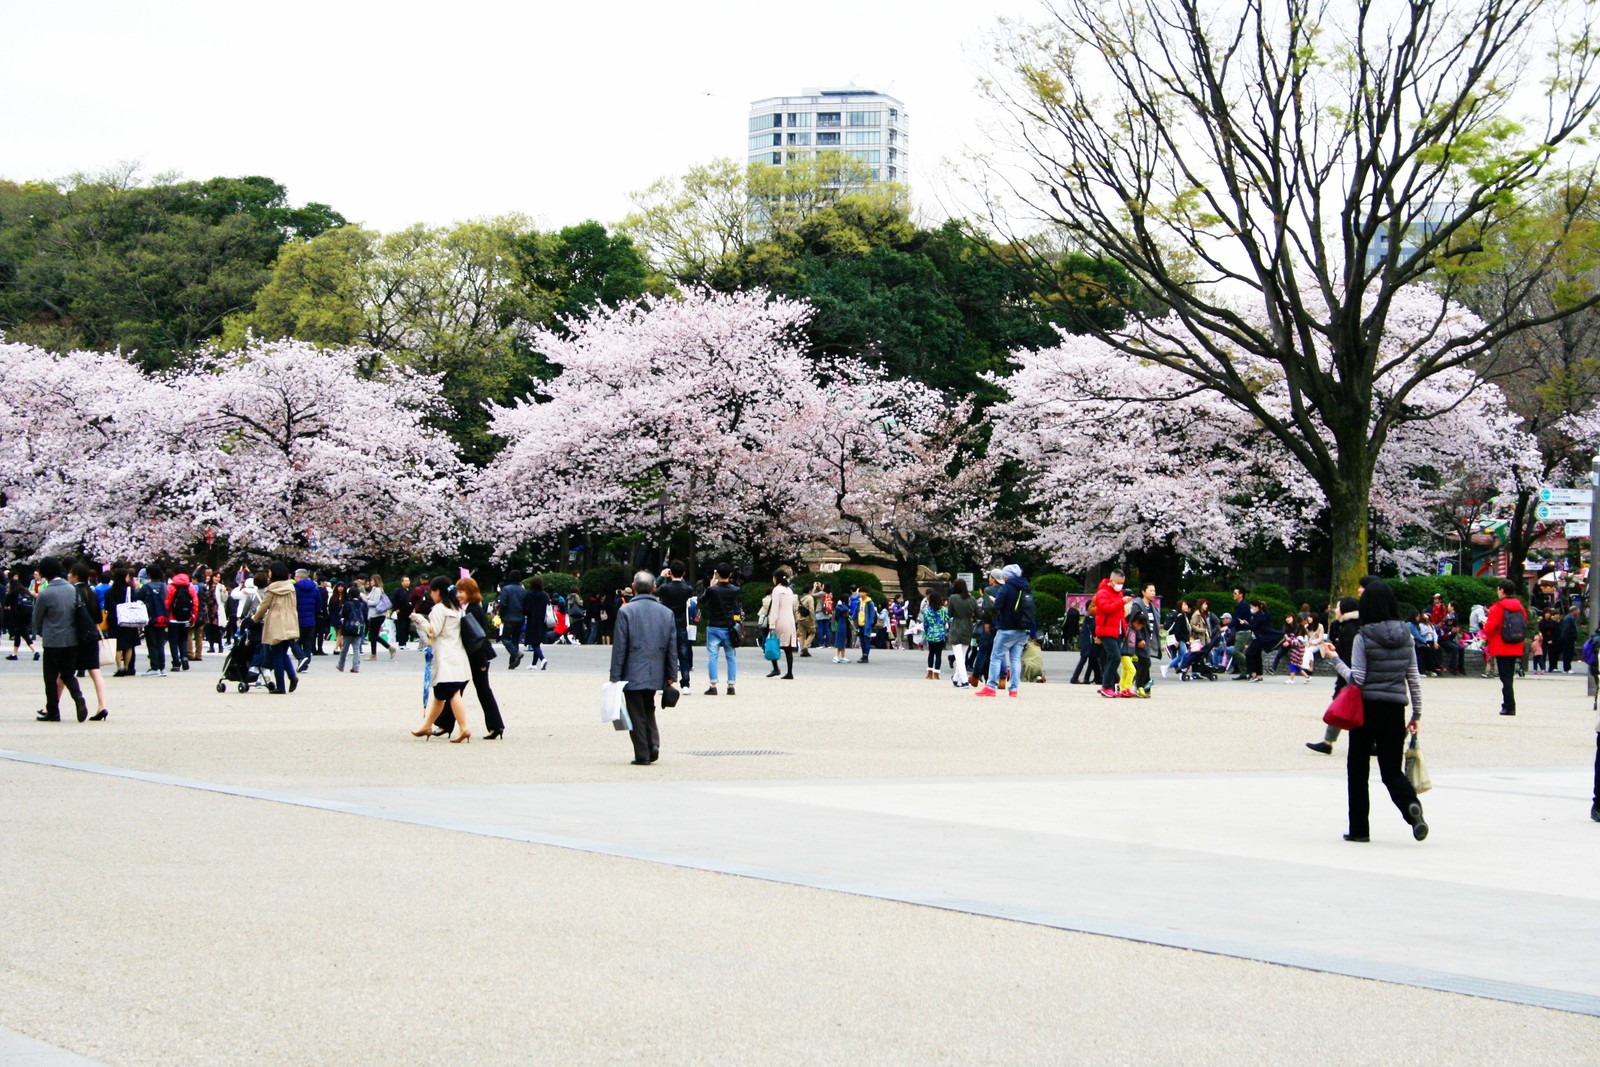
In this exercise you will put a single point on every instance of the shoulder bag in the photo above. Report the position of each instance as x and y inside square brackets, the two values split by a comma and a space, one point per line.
[1346, 712]
[131, 613]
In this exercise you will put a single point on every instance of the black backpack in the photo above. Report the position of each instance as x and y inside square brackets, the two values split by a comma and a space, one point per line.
[1513, 627]
[182, 609]
[1023, 613]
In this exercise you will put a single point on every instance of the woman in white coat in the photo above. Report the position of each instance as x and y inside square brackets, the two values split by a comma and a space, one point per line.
[783, 618]
[441, 628]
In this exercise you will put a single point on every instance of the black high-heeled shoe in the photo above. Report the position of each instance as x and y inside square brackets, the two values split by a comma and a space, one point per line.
[100, 716]
[494, 735]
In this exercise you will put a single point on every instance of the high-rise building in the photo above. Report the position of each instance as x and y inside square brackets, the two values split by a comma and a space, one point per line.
[867, 126]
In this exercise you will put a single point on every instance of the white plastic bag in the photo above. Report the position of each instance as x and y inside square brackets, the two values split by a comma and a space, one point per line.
[611, 708]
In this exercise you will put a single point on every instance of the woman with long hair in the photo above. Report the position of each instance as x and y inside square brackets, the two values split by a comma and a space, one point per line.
[441, 628]
[471, 598]
[89, 651]
[783, 616]
[1384, 664]
[963, 611]
[123, 591]
[935, 629]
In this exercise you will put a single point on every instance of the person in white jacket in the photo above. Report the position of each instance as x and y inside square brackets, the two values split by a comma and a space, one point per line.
[441, 628]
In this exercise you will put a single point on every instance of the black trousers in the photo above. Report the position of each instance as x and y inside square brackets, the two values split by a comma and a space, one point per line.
[646, 738]
[375, 634]
[1088, 666]
[1385, 724]
[60, 664]
[1507, 666]
[486, 700]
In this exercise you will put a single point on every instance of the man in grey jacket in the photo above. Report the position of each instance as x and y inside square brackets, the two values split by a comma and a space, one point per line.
[54, 620]
[644, 655]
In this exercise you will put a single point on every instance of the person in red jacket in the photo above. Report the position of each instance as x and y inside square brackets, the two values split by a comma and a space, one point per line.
[183, 611]
[1504, 632]
[1110, 623]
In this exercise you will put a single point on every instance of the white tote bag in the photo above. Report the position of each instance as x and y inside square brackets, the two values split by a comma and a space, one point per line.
[611, 708]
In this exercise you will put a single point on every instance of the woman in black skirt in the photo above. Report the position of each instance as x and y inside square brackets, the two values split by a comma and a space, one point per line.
[89, 651]
[471, 598]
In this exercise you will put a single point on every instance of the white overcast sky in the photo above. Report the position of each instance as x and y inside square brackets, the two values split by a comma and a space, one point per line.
[402, 112]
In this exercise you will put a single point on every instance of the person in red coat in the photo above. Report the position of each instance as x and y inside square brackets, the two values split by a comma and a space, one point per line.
[1110, 623]
[1504, 632]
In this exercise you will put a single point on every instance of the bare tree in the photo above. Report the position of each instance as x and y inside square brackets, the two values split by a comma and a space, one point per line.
[1312, 158]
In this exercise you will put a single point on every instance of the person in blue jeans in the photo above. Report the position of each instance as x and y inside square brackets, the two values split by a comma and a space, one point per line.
[1013, 625]
[720, 608]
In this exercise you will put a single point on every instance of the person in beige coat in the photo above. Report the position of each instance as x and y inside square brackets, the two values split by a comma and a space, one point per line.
[783, 618]
[279, 615]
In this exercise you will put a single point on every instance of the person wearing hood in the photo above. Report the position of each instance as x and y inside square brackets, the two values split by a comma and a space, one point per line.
[1110, 624]
[1383, 662]
[1013, 623]
[307, 602]
[182, 609]
[279, 616]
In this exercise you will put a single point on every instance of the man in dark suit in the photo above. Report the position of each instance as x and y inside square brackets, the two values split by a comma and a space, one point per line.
[54, 620]
[644, 655]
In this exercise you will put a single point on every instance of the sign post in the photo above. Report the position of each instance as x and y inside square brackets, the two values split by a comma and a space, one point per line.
[1594, 572]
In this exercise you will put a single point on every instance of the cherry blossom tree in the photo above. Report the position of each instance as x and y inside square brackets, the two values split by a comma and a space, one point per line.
[93, 461]
[682, 417]
[1127, 453]
[898, 468]
[297, 454]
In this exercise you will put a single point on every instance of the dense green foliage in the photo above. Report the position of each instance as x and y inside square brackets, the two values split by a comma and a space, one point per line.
[104, 263]
[1059, 586]
[1048, 609]
[840, 582]
[557, 583]
[607, 578]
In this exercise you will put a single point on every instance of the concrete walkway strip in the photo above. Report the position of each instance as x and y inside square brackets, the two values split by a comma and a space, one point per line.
[1247, 864]
[19, 1051]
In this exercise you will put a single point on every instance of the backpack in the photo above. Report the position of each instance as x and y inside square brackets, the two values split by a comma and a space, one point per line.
[354, 621]
[182, 609]
[1589, 655]
[1024, 614]
[1513, 627]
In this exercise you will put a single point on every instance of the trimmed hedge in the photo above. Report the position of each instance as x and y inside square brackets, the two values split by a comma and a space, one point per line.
[1048, 608]
[559, 583]
[838, 583]
[1057, 585]
[752, 593]
[605, 578]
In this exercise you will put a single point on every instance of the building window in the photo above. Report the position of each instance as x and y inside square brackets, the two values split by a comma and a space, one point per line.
[764, 122]
[870, 155]
[793, 156]
[827, 118]
[891, 155]
[761, 140]
[799, 138]
[800, 118]
[894, 113]
[862, 136]
[894, 135]
[865, 118]
[892, 173]
[874, 173]
[827, 138]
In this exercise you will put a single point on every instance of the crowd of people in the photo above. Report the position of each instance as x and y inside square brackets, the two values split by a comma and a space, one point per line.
[267, 621]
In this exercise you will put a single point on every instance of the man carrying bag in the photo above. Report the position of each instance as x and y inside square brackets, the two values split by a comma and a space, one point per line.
[644, 656]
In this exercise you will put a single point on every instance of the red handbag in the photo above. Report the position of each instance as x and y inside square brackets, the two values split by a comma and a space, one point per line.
[1346, 711]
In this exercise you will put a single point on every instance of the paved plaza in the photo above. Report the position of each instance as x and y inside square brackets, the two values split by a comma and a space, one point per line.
[858, 866]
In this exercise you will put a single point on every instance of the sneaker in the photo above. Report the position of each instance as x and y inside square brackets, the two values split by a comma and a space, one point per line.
[711, 692]
[153, 673]
[339, 667]
[1013, 694]
[544, 664]
[730, 689]
[355, 670]
[303, 666]
[391, 651]
[1109, 694]
[986, 691]
[1508, 711]
[36, 657]
[13, 656]
[1142, 694]
[1125, 694]
[1320, 746]
[1163, 670]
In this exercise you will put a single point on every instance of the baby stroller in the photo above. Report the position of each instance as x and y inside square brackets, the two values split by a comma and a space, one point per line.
[238, 665]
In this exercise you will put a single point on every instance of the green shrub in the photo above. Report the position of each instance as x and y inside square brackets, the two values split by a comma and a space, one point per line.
[840, 581]
[1221, 601]
[752, 593]
[606, 578]
[1271, 591]
[1057, 585]
[1048, 609]
[1319, 599]
[557, 583]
